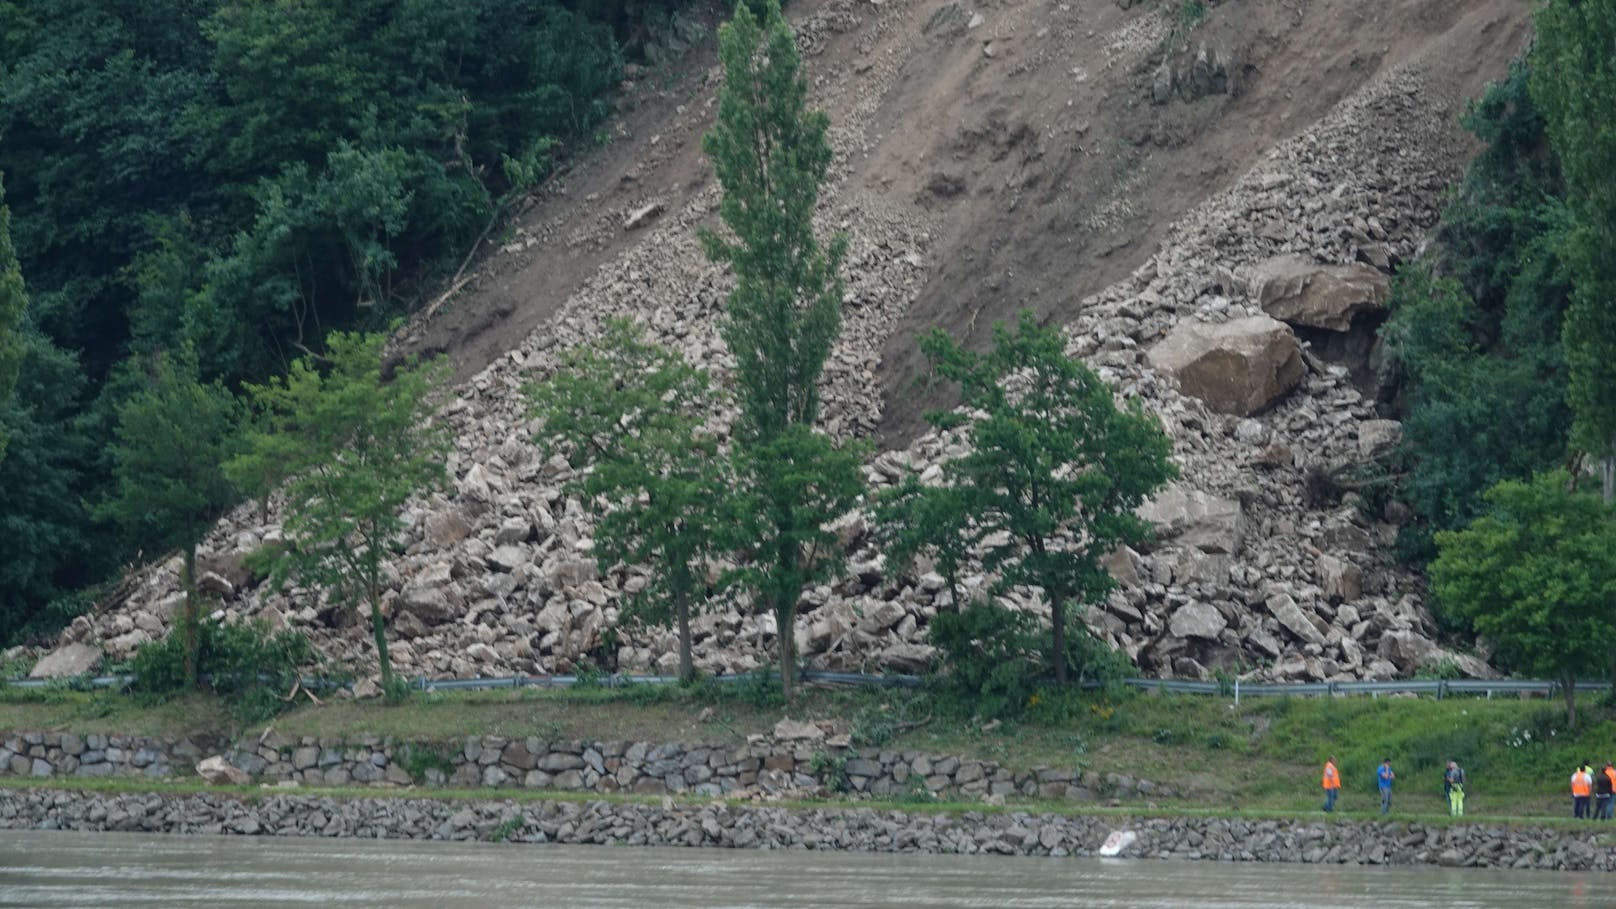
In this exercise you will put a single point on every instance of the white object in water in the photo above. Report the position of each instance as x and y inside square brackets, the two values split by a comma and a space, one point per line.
[1116, 842]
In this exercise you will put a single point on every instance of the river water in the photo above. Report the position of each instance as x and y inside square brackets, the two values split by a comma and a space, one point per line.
[49, 869]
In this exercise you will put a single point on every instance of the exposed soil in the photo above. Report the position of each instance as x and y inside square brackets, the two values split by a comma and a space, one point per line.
[1021, 134]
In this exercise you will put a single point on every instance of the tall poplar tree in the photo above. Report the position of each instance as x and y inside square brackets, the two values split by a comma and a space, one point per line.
[771, 155]
[1574, 82]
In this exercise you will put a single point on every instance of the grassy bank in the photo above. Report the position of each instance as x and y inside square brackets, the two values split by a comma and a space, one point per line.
[1262, 758]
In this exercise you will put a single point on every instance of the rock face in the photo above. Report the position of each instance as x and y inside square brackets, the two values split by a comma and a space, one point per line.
[1300, 292]
[67, 660]
[1194, 518]
[1240, 367]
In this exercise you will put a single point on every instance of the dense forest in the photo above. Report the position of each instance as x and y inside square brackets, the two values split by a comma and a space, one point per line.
[213, 185]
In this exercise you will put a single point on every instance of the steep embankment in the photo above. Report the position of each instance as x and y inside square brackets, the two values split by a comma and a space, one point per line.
[1126, 172]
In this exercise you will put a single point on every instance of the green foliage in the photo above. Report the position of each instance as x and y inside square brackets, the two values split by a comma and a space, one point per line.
[239, 178]
[13, 302]
[42, 487]
[634, 413]
[831, 770]
[417, 759]
[1574, 83]
[771, 155]
[788, 491]
[169, 448]
[1051, 456]
[1535, 579]
[1477, 326]
[247, 665]
[355, 447]
[1189, 14]
[913, 518]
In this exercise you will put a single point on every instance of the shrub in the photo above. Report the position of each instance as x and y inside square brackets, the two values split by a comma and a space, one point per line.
[246, 664]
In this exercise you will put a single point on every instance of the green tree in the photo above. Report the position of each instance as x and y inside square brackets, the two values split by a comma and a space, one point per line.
[1574, 82]
[13, 302]
[356, 446]
[771, 156]
[914, 519]
[1055, 469]
[172, 440]
[633, 413]
[1535, 578]
[1476, 325]
[788, 490]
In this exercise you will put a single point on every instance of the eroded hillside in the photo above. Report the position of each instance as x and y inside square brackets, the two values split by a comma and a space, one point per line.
[1164, 187]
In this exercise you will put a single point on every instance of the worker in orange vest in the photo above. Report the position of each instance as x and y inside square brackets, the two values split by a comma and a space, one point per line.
[1332, 784]
[1582, 790]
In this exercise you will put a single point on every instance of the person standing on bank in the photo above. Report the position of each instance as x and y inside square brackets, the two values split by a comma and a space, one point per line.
[1332, 784]
[1582, 790]
[1453, 783]
[1384, 777]
[1604, 786]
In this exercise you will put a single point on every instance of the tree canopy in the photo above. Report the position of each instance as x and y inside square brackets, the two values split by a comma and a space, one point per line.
[1535, 578]
[171, 442]
[1055, 468]
[633, 414]
[355, 445]
[771, 155]
[1574, 83]
[238, 178]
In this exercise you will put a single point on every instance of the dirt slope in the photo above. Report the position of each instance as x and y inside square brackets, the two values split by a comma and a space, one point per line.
[1021, 136]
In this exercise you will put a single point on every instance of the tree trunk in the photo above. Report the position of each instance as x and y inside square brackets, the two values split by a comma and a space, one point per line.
[1057, 617]
[188, 630]
[378, 625]
[1607, 470]
[681, 608]
[785, 621]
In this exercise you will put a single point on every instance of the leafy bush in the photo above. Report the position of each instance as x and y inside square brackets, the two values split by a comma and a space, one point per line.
[997, 663]
[247, 665]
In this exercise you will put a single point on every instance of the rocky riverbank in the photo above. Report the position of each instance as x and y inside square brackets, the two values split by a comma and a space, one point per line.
[852, 829]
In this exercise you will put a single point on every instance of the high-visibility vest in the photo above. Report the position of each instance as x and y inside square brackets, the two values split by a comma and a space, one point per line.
[1332, 779]
[1582, 784]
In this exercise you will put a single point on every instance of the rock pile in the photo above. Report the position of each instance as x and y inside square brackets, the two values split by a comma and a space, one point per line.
[1263, 564]
[771, 827]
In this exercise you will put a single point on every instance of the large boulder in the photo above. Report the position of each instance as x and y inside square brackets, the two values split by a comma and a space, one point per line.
[67, 661]
[1197, 620]
[1300, 292]
[1195, 518]
[1302, 624]
[1241, 366]
[217, 771]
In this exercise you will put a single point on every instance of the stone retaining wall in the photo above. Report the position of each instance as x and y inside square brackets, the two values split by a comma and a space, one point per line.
[853, 829]
[570, 765]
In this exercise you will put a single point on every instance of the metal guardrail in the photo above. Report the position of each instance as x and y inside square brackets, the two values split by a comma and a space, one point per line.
[1234, 688]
